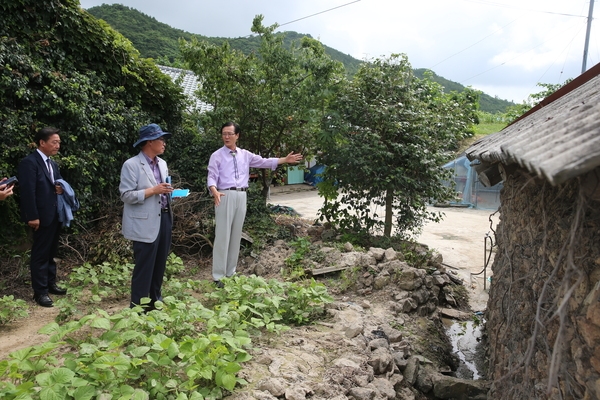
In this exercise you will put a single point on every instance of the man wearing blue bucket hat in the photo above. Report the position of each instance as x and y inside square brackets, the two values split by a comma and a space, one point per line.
[147, 214]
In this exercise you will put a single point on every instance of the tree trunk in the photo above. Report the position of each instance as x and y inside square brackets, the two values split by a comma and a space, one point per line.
[265, 184]
[389, 199]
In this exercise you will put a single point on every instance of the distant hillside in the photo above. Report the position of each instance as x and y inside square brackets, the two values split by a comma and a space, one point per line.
[159, 41]
[487, 103]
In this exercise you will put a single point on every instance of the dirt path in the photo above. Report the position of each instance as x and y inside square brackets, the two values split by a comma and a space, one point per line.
[24, 332]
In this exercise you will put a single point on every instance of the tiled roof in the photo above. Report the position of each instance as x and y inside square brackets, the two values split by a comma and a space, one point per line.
[558, 140]
[189, 83]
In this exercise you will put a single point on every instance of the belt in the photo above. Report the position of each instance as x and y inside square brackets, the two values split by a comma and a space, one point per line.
[164, 210]
[237, 189]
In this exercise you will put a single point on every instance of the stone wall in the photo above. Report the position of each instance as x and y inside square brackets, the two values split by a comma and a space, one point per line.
[543, 316]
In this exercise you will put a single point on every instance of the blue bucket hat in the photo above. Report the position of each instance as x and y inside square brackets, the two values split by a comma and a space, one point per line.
[150, 132]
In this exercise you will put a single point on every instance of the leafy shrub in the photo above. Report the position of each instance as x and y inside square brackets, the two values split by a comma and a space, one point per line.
[181, 350]
[268, 304]
[11, 309]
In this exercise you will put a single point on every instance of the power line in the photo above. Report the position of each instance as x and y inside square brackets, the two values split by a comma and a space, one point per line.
[491, 3]
[517, 56]
[321, 12]
[468, 47]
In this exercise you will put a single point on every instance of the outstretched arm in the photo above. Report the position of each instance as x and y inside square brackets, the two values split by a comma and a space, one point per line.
[290, 158]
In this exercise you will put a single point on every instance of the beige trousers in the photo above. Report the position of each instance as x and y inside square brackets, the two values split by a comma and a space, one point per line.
[229, 218]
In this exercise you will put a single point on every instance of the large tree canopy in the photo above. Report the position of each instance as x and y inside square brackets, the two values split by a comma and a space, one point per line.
[384, 145]
[277, 96]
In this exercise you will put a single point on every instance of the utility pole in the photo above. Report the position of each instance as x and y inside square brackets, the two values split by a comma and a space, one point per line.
[587, 36]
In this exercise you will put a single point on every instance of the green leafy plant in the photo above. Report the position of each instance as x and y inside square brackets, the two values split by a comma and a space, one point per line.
[180, 350]
[348, 278]
[270, 304]
[295, 262]
[157, 355]
[12, 309]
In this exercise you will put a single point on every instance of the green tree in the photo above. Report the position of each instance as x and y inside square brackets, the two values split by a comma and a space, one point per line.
[385, 144]
[278, 96]
[515, 112]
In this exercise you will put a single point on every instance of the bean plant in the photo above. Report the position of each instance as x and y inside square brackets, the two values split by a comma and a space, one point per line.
[186, 348]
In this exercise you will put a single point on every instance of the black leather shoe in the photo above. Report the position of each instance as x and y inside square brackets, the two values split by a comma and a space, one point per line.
[219, 284]
[57, 290]
[43, 300]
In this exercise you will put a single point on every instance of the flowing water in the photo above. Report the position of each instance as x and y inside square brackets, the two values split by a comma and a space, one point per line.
[465, 337]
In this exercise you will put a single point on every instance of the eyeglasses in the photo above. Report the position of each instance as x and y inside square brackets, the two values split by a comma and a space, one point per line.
[228, 134]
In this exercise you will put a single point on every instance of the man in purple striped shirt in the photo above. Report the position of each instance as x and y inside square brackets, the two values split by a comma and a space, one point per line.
[228, 174]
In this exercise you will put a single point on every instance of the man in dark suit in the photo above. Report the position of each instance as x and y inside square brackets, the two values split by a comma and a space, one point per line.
[37, 176]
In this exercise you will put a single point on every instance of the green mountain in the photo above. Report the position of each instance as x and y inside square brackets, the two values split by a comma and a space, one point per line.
[487, 103]
[159, 41]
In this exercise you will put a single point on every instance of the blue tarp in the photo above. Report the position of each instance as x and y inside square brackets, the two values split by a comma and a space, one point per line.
[469, 191]
[313, 177]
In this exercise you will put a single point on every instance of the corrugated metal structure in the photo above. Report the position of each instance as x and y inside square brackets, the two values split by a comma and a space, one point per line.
[558, 139]
[188, 82]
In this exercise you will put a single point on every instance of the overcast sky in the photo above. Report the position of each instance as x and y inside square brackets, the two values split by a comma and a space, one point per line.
[503, 48]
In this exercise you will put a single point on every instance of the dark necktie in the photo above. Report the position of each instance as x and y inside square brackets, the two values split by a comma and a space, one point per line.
[235, 167]
[50, 169]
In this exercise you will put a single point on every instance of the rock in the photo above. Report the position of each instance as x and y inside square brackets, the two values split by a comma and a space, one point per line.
[448, 296]
[315, 231]
[440, 280]
[345, 362]
[297, 393]
[448, 387]
[421, 295]
[397, 381]
[275, 386]
[349, 259]
[379, 343]
[389, 255]
[411, 371]
[405, 306]
[384, 388]
[361, 380]
[362, 393]
[427, 309]
[381, 280]
[348, 247]
[424, 382]
[400, 361]
[401, 295]
[366, 260]
[405, 394]
[349, 322]
[455, 314]
[260, 395]
[411, 279]
[328, 235]
[394, 335]
[377, 253]
[382, 361]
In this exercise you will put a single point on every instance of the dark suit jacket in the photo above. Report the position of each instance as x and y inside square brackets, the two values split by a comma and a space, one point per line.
[38, 194]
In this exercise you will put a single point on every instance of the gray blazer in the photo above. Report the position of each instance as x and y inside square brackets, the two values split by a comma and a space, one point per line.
[141, 217]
